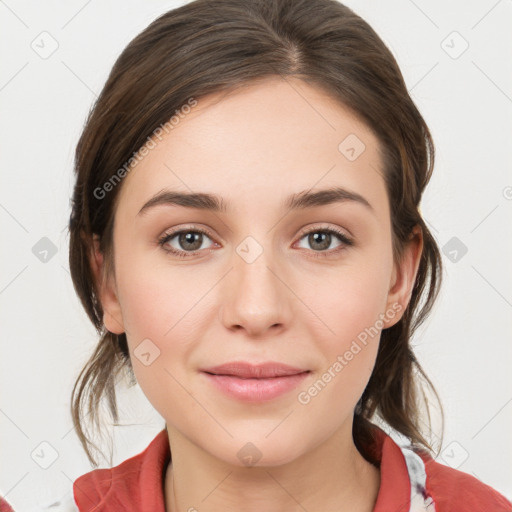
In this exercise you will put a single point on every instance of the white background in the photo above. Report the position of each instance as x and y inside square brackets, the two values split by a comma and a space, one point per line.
[46, 337]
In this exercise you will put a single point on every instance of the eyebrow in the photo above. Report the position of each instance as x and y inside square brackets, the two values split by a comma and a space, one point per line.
[215, 203]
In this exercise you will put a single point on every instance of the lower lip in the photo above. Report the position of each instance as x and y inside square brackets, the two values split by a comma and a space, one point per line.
[256, 390]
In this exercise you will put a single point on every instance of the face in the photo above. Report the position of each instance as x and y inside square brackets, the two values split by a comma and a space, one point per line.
[310, 286]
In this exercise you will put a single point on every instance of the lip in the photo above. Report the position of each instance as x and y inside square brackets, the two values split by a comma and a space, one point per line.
[255, 383]
[247, 370]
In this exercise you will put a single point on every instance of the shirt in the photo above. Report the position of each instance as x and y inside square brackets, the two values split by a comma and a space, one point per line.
[410, 481]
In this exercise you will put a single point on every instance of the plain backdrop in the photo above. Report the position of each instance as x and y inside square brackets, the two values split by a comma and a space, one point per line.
[456, 58]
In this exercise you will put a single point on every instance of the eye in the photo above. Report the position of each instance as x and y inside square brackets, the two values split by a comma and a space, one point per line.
[320, 240]
[188, 242]
[184, 242]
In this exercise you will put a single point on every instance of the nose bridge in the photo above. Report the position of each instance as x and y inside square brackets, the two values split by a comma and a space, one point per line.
[256, 299]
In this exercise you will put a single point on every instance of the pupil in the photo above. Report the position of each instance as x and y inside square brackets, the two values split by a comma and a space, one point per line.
[191, 238]
[323, 239]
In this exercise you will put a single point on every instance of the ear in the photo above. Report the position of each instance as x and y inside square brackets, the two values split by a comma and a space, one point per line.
[404, 277]
[112, 317]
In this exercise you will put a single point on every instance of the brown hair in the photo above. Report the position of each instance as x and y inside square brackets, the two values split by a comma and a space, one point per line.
[208, 47]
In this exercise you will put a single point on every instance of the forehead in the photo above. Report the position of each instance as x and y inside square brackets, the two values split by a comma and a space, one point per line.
[270, 139]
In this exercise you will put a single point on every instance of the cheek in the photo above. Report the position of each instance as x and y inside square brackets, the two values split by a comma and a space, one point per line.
[156, 297]
[350, 298]
[160, 338]
[350, 306]
[164, 310]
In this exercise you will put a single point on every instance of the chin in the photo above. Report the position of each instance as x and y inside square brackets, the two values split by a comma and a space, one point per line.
[260, 451]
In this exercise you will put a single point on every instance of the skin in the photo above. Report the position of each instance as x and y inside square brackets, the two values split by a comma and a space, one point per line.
[255, 147]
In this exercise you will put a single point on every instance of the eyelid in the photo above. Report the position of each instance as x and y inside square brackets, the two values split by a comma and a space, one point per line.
[345, 239]
[191, 227]
[168, 234]
[335, 229]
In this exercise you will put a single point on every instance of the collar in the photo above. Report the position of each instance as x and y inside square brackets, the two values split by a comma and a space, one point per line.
[137, 484]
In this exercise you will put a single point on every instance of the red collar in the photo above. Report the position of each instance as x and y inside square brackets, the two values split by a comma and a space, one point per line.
[137, 484]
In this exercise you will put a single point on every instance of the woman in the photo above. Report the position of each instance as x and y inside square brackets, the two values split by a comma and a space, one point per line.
[246, 237]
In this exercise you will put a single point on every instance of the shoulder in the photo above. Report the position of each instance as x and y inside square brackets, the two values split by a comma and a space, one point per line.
[127, 486]
[90, 489]
[454, 490]
[412, 481]
[103, 488]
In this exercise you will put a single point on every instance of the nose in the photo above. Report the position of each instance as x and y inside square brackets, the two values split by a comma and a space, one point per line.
[257, 299]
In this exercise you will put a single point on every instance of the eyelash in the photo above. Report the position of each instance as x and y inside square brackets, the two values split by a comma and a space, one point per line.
[317, 254]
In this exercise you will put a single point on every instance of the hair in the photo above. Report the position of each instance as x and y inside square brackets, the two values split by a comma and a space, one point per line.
[207, 47]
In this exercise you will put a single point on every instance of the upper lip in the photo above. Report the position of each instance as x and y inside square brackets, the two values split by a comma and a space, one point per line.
[255, 371]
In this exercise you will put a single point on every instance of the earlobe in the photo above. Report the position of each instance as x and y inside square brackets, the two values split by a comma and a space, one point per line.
[404, 276]
[112, 316]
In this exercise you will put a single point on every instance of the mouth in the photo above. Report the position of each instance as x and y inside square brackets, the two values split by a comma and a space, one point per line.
[255, 383]
[245, 370]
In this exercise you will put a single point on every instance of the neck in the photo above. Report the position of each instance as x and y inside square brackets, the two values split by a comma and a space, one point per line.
[332, 476]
